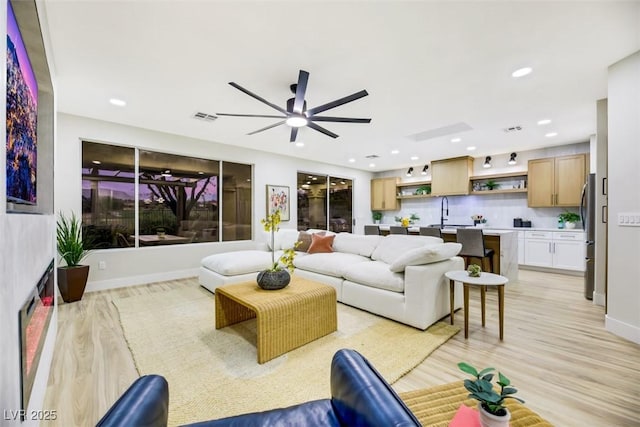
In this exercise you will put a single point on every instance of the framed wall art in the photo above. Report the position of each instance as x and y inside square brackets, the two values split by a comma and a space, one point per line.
[278, 199]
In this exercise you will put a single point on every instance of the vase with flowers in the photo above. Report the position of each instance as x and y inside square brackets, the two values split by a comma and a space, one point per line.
[276, 277]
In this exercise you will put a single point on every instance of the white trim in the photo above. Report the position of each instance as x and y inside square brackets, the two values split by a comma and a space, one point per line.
[140, 280]
[599, 299]
[624, 330]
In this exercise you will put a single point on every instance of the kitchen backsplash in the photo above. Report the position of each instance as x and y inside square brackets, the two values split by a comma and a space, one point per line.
[499, 210]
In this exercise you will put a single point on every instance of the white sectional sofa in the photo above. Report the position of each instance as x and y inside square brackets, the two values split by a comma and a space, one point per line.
[398, 277]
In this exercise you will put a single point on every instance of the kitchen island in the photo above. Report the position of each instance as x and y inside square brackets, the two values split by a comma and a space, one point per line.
[503, 242]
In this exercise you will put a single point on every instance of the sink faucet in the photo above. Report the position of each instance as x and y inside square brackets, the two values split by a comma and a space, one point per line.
[444, 211]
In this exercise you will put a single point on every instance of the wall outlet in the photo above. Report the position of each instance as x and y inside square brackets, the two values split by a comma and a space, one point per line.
[102, 265]
[629, 219]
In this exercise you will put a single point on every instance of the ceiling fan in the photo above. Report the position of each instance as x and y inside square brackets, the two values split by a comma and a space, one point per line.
[296, 114]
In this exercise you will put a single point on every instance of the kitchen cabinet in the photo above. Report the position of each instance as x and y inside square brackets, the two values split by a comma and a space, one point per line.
[562, 250]
[556, 181]
[383, 194]
[520, 247]
[450, 177]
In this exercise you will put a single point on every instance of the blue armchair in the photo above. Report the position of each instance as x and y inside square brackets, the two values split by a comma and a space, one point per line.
[359, 397]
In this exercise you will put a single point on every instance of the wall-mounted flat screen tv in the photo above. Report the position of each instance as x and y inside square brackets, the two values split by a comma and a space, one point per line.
[22, 114]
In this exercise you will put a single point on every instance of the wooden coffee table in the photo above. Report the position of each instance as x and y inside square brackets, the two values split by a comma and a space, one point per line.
[286, 319]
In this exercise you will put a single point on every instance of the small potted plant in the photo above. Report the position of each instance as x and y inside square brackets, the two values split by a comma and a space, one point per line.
[413, 218]
[491, 184]
[377, 216]
[73, 248]
[491, 407]
[569, 218]
[474, 270]
[276, 277]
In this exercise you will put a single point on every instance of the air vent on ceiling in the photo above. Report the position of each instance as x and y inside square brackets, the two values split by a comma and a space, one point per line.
[512, 129]
[372, 156]
[205, 117]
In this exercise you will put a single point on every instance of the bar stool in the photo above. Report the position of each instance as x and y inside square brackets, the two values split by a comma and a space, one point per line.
[472, 240]
[431, 231]
[371, 230]
[397, 229]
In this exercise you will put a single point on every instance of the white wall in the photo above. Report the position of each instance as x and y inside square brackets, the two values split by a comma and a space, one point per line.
[599, 160]
[499, 209]
[623, 297]
[143, 265]
[26, 249]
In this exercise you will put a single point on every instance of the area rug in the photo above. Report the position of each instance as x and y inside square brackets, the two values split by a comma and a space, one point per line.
[214, 373]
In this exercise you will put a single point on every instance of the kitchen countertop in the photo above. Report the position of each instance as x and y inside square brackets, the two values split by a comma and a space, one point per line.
[487, 230]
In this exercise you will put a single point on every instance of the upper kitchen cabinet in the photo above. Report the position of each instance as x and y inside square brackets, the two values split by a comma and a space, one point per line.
[450, 177]
[556, 181]
[383, 194]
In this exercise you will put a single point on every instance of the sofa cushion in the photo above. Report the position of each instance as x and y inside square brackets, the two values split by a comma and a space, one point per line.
[333, 264]
[284, 238]
[375, 274]
[241, 262]
[356, 243]
[321, 244]
[394, 245]
[304, 240]
[425, 255]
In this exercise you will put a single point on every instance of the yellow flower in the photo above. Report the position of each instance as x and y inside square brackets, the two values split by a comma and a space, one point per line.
[405, 222]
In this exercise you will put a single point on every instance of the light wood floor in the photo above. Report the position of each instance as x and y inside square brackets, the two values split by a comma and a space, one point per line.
[556, 353]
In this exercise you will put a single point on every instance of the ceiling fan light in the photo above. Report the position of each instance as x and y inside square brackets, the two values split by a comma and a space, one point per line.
[297, 121]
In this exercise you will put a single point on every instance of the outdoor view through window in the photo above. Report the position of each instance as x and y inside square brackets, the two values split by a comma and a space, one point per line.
[178, 198]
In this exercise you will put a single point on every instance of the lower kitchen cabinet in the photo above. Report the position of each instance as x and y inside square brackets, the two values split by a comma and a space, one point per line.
[555, 249]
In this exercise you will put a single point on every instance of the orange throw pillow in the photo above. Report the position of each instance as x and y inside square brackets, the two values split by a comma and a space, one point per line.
[321, 244]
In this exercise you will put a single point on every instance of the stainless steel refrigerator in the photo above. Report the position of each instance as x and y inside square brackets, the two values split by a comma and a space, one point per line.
[588, 214]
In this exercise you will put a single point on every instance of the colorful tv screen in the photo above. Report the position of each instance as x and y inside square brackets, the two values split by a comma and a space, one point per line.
[22, 114]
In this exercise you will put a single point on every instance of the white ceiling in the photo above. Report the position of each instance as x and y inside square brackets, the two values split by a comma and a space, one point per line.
[426, 65]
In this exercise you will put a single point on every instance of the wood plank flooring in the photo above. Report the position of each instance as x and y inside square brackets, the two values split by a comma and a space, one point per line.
[556, 353]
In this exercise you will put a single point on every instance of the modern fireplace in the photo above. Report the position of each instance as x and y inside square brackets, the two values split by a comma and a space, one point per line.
[34, 318]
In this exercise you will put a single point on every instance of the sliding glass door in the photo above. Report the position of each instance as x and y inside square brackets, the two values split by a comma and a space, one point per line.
[324, 202]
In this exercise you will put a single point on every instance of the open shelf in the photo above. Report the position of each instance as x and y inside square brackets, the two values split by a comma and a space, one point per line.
[514, 182]
[498, 191]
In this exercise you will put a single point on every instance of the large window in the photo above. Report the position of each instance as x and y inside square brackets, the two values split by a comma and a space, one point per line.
[324, 202]
[178, 198]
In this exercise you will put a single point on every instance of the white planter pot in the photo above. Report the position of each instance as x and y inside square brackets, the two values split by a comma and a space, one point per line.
[490, 420]
[570, 225]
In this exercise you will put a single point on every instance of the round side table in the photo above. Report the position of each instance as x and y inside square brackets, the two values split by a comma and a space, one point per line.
[485, 279]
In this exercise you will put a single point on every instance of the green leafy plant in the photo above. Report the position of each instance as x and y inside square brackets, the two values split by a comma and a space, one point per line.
[423, 189]
[377, 216]
[491, 184]
[569, 217]
[271, 224]
[474, 270]
[71, 245]
[481, 389]
[397, 218]
[414, 217]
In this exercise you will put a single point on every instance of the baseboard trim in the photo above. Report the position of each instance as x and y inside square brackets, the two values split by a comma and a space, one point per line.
[599, 299]
[624, 330]
[551, 270]
[143, 279]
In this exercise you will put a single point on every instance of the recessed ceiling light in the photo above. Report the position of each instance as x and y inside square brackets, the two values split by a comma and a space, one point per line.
[414, 157]
[342, 182]
[372, 165]
[456, 139]
[200, 173]
[308, 182]
[352, 160]
[522, 72]
[395, 151]
[117, 102]
[333, 183]
[299, 144]
[315, 178]
[544, 122]
[96, 162]
[471, 148]
[551, 134]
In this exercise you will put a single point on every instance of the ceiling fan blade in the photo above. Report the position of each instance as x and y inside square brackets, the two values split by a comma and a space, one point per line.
[338, 119]
[301, 89]
[336, 103]
[250, 115]
[321, 130]
[268, 127]
[259, 98]
[294, 134]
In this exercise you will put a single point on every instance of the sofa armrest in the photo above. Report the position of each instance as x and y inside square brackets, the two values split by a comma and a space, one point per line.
[144, 403]
[361, 397]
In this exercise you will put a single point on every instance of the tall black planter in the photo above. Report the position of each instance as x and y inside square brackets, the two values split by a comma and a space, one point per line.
[72, 281]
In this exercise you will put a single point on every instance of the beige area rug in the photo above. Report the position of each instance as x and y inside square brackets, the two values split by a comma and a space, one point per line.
[214, 373]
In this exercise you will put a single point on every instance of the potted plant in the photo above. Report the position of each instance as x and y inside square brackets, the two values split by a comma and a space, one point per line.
[491, 184]
[377, 217]
[276, 277]
[569, 218]
[72, 278]
[493, 413]
[413, 218]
